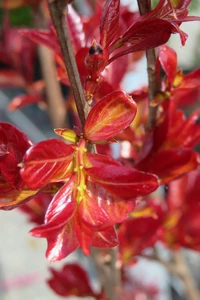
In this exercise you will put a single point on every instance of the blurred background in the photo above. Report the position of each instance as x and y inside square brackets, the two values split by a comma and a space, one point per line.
[23, 267]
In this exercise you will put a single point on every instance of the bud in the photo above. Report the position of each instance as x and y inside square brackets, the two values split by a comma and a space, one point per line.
[96, 59]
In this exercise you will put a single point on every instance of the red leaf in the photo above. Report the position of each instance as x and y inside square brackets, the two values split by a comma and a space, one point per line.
[76, 29]
[62, 206]
[176, 4]
[143, 35]
[22, 100]
[62, 242]
[123, 181]
[11, 198]
[15, 143]
[11, 78]
[138, 234]
[100, 209]
[43, 37]
[168, 60]
[72, 280]
[109, 116]
[48, 161]
[171, 164]
[109, 22]
[36, 208]
[192, 80]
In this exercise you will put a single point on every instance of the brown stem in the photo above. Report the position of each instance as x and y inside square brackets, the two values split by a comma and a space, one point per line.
[184, 272]
[58, 10]
[109, 272]
[154, 81]
[179, 268]
[56, 105]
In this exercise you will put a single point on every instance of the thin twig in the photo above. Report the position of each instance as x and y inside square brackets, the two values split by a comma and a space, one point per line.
[178, 267]
[108, 272]
[154, 83]
[184, 272]
[58, 11]
[56, 105]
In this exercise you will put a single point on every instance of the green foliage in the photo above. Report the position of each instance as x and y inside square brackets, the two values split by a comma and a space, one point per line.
[19, 17]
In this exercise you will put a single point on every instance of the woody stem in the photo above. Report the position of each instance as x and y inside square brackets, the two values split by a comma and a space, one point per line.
[154, 83]
[108, 272]
[58, 11]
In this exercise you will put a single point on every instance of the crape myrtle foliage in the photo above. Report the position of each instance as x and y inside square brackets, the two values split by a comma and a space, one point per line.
[97, 191]
[174, 221]
[82, 199]
[65, 282]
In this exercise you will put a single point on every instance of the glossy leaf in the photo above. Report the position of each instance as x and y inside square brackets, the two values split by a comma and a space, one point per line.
[76, 29]
[22, 100]
[62, 206]
[109, 22]
[72, 280]
[36, 208]
[143, 35]
[178, 163]
[42, 37]
[137, 234]
[67, 134]
[123, 181]
[109, 116]
[11, 78]
[48, 161]
[101, 209]
[168, 60]
[179, 3]
[13, 147]
[11, 198]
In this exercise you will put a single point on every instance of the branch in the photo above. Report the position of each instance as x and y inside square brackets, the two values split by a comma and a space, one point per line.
[178, 267]
[109, 272]
[56, 105]
[58, 11]
[184, 273]
[154, 82]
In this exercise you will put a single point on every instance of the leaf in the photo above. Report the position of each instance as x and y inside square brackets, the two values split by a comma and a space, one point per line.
[48, 161]
[61, 243]
[22, 100]
[15, 143]
[105, 238]
[109, 116]
[43, 37]
[170, 164]
[67, 134]
[109, 22]
[123, 181]
[36, 208]
[11, 78]
[192, 80]
[176, 4]
[137, 234]
[75, 25]
[168, 60]
[100, 209]
[72, 280]
[62, 205]
[143, 35]
[11, 198]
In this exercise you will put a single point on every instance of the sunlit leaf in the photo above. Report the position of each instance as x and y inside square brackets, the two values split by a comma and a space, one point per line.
[109, 116]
